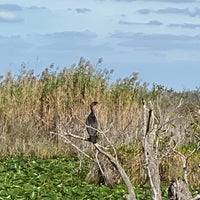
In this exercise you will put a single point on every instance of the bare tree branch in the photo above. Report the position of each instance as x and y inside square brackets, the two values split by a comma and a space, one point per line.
[185, 161]
[66, 140]
[65, 134]
[125, 178]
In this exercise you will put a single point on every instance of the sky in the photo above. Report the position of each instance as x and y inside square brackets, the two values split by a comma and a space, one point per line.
[159, 39]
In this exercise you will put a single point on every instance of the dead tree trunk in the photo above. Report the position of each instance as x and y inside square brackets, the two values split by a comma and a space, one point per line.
[150, 147]
[178, 190]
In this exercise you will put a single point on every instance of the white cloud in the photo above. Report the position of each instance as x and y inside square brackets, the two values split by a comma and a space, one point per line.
[7, 16]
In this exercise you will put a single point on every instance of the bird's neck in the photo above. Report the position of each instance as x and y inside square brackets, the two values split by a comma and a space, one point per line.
[92, 109]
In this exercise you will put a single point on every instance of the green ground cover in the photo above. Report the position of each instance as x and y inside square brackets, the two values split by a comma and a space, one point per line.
[54, 178]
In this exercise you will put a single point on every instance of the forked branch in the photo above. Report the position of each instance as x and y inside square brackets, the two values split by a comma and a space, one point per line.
[64, 136]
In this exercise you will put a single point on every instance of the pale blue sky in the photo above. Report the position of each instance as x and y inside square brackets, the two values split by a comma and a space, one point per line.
[160, 39]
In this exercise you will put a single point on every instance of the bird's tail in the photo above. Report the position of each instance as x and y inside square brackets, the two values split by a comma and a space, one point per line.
[93, 139]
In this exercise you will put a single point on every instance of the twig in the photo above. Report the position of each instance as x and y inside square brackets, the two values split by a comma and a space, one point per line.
[103, 133]
[98, 163]
[67, 133]
[185, 161]
[66, 140]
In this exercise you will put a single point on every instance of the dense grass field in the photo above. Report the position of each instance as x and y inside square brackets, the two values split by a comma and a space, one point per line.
[54, 178]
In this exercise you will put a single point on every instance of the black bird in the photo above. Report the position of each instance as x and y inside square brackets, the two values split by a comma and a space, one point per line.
[92, 124]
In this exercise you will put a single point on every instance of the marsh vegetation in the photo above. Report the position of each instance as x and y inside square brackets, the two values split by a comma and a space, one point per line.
[33, 106]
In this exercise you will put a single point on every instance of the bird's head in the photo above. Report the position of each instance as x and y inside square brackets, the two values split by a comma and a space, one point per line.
[94, 103]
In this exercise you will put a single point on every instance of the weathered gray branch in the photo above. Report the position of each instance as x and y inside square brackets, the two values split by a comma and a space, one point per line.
[66, 140]
[113, 160]
[124, 176]
[185, 159]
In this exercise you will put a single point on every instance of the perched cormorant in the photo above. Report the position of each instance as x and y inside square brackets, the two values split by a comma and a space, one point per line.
[92, 124]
